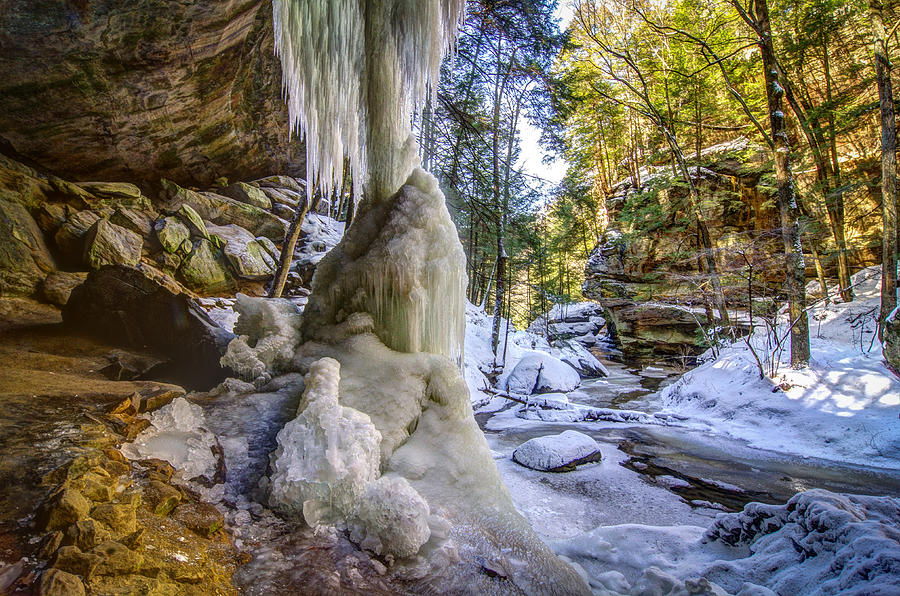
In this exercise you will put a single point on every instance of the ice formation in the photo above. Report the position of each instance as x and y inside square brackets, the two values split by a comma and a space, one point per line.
[177, 434]
[268, 334]
[403, 264]
[326, 469]
[379, 57]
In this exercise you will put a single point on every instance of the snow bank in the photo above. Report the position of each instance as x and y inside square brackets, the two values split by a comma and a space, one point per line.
[817, 543]
[178, 435]
[842, 407]
[557, 453]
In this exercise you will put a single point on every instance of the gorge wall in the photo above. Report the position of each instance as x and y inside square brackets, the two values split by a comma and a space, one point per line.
[136, 91]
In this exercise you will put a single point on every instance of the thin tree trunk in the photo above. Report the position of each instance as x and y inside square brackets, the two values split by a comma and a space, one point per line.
[795, 278]
[889, 248]
[287, 250]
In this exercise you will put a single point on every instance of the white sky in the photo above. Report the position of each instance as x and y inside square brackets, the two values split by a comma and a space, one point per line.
[532, 154]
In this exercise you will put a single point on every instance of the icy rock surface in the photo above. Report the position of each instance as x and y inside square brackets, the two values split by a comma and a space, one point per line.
[177, 434]
[578, 357]
[326, 468]
[268, 333]
[557, 453]
[538, 372]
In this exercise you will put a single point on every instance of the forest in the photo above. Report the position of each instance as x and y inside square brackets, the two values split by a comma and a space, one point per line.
[463, 297]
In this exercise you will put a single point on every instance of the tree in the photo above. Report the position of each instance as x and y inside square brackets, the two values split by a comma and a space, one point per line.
[889, 256]
[756, 15]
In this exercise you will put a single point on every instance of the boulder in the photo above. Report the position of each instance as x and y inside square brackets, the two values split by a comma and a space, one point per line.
[117, 194]
[24, 258]
[538, 372]
[171, 233]
[71, 560]
[202, 272]
[287, 198]
[249, 258]
[557, 453]
[193, 220]
[51, 216]
[70, 236]
[58, 285]
[281, 182]
[891, 336]
[578, 357]
[132, 219]
[245, 193]
[55, 582]
[201, 518]
[222, 210]
[116, 559]
[645, 329]
[109, 244]
[132, 306]
[65, 508]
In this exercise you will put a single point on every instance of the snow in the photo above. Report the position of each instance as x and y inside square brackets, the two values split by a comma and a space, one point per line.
[817, 543]
[557, 453]
[843, 407]
[177, 434]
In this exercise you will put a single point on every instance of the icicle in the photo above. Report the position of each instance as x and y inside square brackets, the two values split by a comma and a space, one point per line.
[323, 49]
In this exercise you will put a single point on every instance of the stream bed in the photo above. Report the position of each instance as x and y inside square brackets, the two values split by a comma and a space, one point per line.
[704, 473]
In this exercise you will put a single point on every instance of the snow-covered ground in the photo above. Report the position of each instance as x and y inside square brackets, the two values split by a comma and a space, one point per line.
[632, 534]
[843, 407]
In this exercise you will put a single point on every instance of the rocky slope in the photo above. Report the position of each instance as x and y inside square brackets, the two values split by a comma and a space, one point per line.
[644, 271]
[136, 91]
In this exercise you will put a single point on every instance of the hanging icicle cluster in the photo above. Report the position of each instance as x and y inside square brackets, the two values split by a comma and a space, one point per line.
[323, 49]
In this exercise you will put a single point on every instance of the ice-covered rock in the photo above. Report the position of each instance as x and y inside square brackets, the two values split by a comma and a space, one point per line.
[268, 333]
[538, 372]
[177, 434]
[557, 453]
[578, 357]
[326, 468]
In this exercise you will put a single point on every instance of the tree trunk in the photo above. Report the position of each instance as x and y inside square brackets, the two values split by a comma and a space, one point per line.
[795, 278]
[889, 248]
[287, 250]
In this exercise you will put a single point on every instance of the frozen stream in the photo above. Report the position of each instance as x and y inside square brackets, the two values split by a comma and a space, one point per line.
[657, 475]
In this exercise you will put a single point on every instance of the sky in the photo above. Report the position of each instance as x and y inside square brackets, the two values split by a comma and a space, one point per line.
[532, 155]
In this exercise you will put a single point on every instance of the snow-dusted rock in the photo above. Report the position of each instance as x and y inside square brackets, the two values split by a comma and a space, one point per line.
[537, 372]
[578, 357]
[557, 453]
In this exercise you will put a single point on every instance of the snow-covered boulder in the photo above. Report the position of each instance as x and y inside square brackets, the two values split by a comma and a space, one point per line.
[537, 372]
[581, 321]
[557, 453]
[578, 357]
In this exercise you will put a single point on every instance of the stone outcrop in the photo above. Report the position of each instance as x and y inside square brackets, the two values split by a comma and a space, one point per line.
[135, 91]
[24, 257]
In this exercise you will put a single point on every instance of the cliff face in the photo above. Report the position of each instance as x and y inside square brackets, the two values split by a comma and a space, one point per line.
[144, 89]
